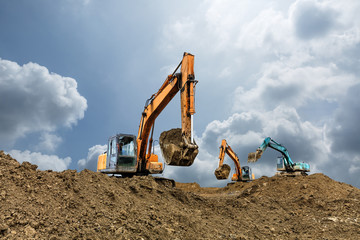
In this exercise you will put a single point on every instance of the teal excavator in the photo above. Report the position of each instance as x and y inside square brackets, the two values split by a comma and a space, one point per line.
[285, 165]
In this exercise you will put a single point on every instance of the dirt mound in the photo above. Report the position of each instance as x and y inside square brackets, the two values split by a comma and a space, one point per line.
[87, 205]
[222, 172]
[301, 207]
[174, 150]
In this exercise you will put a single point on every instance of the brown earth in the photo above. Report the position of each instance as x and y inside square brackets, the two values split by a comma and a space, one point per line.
[87, 205]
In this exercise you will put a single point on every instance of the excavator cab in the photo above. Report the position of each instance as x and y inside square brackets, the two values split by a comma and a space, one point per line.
[280, 166]
[247, 174]
[120, 156]
[298, 166]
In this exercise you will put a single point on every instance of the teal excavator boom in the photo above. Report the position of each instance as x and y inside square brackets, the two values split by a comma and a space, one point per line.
[284, 164]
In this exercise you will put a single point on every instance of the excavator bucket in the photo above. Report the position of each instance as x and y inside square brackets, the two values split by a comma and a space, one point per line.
[176, 150]
[254, 156]
[222, 172]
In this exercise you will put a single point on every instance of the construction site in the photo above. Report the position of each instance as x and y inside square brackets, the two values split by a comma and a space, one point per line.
[122, 200]
[180, 120]
[88, 205]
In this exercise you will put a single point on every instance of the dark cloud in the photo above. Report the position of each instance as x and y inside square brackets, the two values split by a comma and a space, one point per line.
[343, 168]
[350, 63]
[300, 148]
[284, 93]
[345, 130]
[312, 20]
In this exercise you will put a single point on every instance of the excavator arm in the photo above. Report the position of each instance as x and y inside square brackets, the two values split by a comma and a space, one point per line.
[185, 83]
[222, 172]
[288, 164]
[268, 142]
[127, 154]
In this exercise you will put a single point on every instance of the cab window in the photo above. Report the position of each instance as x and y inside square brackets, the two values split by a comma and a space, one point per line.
[126, 146]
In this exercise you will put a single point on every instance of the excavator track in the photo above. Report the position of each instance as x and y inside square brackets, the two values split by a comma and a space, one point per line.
[291, 174]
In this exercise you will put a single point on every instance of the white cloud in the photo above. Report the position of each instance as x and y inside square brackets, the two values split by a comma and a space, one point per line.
[44, 162]
[293, 86]
[48, 142]
[244, 133]
[267, 29]
[34, 100]
[91, 160]
[355, 168]
[181, 31]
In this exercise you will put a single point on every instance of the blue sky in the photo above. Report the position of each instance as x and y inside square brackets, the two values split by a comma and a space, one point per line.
[73, 73]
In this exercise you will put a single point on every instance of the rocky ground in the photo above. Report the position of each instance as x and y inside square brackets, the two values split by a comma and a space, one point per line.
[87, 205]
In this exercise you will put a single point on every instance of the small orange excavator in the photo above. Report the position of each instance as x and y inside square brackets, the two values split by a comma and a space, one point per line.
[243, 174]
[126, 154]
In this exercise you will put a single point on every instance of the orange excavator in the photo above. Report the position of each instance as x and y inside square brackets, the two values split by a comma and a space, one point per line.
[243, 174]
[129, 155]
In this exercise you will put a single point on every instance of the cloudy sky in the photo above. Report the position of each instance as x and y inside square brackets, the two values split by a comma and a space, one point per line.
[73, 73]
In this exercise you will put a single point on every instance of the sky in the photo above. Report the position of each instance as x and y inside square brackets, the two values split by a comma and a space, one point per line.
[74, 73]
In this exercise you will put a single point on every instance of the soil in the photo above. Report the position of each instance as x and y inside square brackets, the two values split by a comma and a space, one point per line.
[174, 150]
[222, 172]
[88, 205]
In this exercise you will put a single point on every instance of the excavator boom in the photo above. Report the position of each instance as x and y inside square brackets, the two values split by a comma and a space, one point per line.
[178, 147]
[128, 155]
[285, 163]
[223, 171]
[268, 142]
